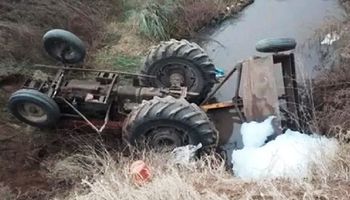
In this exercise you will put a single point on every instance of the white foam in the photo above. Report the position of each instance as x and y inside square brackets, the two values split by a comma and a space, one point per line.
[291, 155]
[255, 134]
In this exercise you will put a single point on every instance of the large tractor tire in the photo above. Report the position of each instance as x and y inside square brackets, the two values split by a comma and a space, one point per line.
[184, 58]
[34, 108]
[169, 122]
[64, 46]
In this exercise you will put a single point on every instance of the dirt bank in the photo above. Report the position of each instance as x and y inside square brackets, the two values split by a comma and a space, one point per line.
[27, 154]
[331, 87]
[22, 23]
[112, 30]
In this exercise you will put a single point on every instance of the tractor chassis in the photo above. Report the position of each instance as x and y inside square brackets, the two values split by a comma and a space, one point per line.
[104, 95]
[81, 100]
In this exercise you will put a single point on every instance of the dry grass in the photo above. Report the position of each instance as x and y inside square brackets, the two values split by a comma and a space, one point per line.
[346, 4]
[193, 15]
[6, 193]
[147, 22]
[17, 49]
[22, 23]
[106, 176]
[162, 20]
[331, 87]
[196, 14]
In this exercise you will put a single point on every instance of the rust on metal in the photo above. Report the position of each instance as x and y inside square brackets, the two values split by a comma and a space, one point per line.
[220, 105]
[260, 83]
[94, 70]
[259, 89]
[217, 88]
[290, 88]
[217, 106]
[93, 126]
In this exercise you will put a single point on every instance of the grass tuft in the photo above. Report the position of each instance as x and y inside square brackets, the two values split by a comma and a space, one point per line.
[106, 176]
[154, 21]
[164, 19]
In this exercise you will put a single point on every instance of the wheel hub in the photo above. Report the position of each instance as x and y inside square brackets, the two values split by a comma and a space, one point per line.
[167, 137]
[177, 75]
[32, 112]
[176, 80]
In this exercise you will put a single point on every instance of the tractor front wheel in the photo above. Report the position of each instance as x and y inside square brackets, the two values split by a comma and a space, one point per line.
[64, 46]
[34, 108]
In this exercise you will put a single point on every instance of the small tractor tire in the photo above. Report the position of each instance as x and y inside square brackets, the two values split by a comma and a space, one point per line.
[64, 46]
[276, 45]
[34, 108]
[169, 122]
[182, 57]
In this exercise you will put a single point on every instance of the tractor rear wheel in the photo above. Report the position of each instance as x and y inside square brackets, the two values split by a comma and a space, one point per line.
[169, 122]
[185, 63]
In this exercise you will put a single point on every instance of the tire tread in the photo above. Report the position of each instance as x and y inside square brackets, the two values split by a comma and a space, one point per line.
[191, 115]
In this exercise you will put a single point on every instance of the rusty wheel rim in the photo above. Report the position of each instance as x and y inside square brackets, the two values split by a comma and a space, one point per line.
[32, 112]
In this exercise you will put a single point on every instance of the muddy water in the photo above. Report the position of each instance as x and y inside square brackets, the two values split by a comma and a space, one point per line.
[235, 39]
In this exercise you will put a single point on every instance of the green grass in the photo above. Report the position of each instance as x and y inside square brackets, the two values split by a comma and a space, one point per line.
[154, 21]
[126, 63]
[163, 19]
[153, 17]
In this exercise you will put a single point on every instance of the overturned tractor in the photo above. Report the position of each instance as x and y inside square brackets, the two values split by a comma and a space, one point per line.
[163, 105]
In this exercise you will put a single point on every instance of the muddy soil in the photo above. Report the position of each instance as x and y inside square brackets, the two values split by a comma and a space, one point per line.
[22, 23]
[21, 152]
[26, 153]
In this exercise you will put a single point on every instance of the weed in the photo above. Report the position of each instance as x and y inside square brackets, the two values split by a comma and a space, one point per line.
[331, 86]
[153, 17]
[127, 63]
[119, 61]
[154, 21]
[106, 176]
[193, 15]
[164, 19]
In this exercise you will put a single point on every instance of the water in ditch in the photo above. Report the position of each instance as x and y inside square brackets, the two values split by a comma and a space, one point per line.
[234, 41]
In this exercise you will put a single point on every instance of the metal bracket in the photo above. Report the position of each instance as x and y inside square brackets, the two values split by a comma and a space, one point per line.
[98, 130]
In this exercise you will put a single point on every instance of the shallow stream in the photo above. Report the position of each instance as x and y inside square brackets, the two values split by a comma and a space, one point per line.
[234, 41]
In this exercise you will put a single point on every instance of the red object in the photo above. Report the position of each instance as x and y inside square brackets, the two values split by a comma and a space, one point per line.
[140, 172]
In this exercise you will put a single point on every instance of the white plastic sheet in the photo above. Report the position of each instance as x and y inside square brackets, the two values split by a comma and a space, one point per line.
[184, 155]
[291, 155]
[330, 38]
